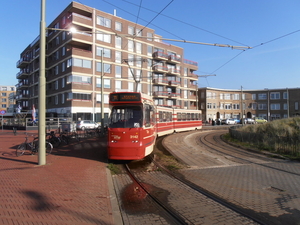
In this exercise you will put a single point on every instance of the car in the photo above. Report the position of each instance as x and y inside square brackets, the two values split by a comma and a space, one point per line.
[260, 120]
[248, 121]
[237, 121]
[86, 124]
[228, 121]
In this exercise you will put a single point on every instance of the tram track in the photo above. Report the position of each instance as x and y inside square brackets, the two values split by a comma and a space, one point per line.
[214, 143]
[180, 199]
[177, 188]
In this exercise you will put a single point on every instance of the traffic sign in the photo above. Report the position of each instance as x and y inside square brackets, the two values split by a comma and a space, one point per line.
[2, 112]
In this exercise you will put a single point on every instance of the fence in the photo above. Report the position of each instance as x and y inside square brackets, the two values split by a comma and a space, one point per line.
[278, 144]
[28, 124]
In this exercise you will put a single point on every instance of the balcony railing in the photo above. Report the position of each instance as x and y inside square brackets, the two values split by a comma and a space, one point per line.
[190, 62]
[173, 71]
[24, 72]
[173, 82]
[160, 68]
[174, 58]
[23, 62]
[161, 55]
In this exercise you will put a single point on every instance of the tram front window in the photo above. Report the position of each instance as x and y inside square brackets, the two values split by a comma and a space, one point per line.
[126, 117]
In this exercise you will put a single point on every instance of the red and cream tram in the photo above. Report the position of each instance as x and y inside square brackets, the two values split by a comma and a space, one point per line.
[135, 123]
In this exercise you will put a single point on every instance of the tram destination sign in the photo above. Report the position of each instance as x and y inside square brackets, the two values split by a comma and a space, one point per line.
[125, 97]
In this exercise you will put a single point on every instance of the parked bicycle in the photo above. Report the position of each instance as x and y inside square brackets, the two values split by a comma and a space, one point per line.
[32, 146]
[53, 139]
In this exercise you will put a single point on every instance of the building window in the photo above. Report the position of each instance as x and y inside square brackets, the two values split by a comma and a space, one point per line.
[130, 45]
[285, 95]
[105, 81]
[118, 57]
[274, 95]
[254, 106]
[138, 47]
[227, 96]
[118, 26]
[63, 51]
[138, 32]
[227, 106]
[63, 66]
[118, 85]
[209, 106]
[296, 106]
[106, 52]
[285, 106]
[130, 86]
[63, 80]
[149, 50]
[82, 63]
[236, 106]
[79, 79]
[69, 63]
[118, 42]
[149, 36]
[63, 35]
[102, 21]
[262, 106]
[56, 70]
[106, 67]
[56, 84]
[3, 105]
[56, 99]
[62, 98]
[118, 70]
[236, 97]
[100, 36]
[262, 96]
[57, 40]
[221, 96]
[79, 96]
[130, 30]
[253, 96]
[275, 106]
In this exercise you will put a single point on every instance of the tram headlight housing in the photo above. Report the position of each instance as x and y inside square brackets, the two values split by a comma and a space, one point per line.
[135, 141]
[114, 141]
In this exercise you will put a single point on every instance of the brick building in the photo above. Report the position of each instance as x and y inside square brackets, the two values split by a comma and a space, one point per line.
[267, 103]
[134, 58]
[7, 94]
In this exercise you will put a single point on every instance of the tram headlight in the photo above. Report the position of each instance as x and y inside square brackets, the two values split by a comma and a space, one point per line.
[113, 141]
[135, 141]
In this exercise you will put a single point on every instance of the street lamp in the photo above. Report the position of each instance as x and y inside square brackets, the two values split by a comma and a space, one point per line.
[42, 88]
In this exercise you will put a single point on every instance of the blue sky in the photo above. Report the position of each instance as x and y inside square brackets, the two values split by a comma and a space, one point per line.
[270, 26]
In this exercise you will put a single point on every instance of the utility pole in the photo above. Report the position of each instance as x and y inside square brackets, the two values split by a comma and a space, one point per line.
[242, 117]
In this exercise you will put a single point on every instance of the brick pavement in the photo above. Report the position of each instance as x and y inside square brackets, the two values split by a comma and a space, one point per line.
[72, 188]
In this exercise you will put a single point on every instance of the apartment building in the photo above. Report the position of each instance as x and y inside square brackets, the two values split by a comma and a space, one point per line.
[267, 103]
[127, 56]
[7, 98]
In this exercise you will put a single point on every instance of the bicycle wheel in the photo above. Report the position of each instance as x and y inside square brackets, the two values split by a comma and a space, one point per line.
[55, 141]
[21, 149]
[64, 139]
[49, 148]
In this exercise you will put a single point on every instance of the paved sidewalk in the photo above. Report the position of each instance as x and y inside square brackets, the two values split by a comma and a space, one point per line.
[72, 188]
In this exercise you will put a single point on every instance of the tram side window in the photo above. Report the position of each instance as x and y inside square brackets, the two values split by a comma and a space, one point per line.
[149, 115]
[160, 116]
[164, 117]
[178, 116]
[188, 116]
[170, 117]
[183, 116]
[192, 116]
